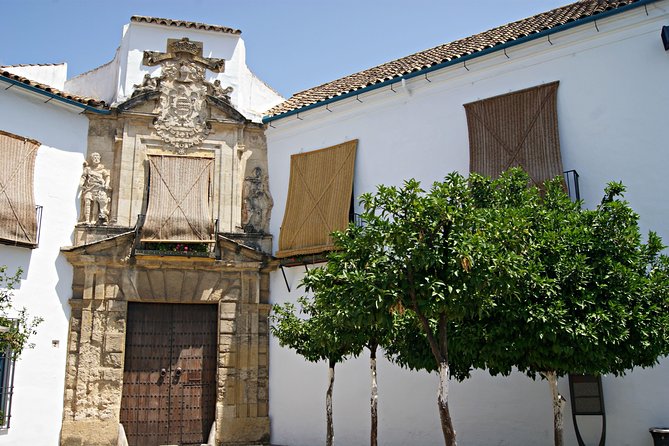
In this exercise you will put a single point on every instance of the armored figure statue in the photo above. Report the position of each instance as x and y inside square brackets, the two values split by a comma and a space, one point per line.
[94, 190]
[257, 202]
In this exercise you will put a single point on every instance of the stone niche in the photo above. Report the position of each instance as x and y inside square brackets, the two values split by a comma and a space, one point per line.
[177, 114]
[107, 277]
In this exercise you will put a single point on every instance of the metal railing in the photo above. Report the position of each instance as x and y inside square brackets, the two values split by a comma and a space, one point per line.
[174, 248]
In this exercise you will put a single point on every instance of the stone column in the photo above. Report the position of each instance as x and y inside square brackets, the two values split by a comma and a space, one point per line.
[242, 409]
[94, 376]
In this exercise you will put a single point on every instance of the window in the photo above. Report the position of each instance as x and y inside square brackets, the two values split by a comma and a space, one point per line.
[179, 200]
[319, 199]
[518, 129]
[19, 217]
[6, 384]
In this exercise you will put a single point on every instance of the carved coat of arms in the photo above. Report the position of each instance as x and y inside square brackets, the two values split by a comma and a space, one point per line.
[182, 117]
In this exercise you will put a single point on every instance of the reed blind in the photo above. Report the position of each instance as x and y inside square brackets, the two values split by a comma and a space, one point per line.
[518, 129]
[18, 218]
[319, 199]
[179, 199]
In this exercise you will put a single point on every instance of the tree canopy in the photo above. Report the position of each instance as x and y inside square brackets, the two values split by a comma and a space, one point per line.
[495, 274]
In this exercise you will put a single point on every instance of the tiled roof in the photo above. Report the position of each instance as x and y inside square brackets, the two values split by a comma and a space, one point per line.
[183, 24]
[23, 65]
[468, 46]
[48, 89]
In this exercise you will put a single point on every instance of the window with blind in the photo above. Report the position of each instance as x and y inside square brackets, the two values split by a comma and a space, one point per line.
[518, 129]
[319, 199]
[18, 213]
[179, 207]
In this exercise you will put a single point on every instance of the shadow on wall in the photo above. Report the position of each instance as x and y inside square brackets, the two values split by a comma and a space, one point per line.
[64, 285]
[14, 258]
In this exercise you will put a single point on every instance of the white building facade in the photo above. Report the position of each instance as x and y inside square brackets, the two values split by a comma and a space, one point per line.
[410, 122]
[611, 68]
[68, 388]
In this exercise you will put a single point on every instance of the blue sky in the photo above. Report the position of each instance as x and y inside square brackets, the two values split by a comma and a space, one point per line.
[291, 44]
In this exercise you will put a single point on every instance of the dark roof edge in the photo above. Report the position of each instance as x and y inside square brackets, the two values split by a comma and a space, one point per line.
[53, 96]
[459, 60]
[184, 24]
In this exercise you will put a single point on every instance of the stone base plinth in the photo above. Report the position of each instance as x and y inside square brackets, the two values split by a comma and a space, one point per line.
[244, 431]
[89, 433]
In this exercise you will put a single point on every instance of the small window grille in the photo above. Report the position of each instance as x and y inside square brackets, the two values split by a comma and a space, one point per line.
[6, 386]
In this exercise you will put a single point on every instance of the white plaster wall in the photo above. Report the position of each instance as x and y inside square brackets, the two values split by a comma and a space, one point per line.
[114, 82]
[99, 83]
[47, 285]
[612, 104]
[52, 75]
[249, 96]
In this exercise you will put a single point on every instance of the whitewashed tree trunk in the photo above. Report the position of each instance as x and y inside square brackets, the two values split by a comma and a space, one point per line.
[442, 402]
[559, 403]
[328, 404]
[374, 399]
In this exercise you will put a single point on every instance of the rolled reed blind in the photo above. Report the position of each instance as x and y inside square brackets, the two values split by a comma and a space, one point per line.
[179, 201]
[18, 218]
[518, 129]
[319, 199]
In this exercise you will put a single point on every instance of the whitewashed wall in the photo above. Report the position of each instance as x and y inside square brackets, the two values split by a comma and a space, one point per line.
[47, 279]
[115, 81]
[612, 106]
[49, 74]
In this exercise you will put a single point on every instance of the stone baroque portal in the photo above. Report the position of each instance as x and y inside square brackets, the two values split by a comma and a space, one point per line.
[106, 279]
[173, 125]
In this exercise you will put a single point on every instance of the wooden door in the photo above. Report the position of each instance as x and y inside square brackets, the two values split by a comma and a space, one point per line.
[169, 381]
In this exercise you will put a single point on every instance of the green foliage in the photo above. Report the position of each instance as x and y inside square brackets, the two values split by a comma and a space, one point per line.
[20, 326]
[178, 247]
[592, 298]
[313, 331]
[445, 256]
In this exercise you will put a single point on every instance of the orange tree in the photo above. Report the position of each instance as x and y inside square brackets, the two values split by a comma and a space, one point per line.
[591, 297]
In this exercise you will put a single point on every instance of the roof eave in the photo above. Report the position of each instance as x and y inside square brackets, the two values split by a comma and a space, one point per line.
[461, 59]
[53, 96]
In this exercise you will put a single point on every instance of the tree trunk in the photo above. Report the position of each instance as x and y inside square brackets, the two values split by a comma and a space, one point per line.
[442, 403]
[373, 440]
[439, 348]
[328, 404]
[558, 408]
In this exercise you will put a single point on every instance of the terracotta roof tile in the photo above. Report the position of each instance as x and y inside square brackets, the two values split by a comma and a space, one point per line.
[80, 99]
[23, 65]
[448, 52]
[183, 24]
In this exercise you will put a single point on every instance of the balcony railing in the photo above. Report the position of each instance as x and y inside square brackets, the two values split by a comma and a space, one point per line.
[184, 248]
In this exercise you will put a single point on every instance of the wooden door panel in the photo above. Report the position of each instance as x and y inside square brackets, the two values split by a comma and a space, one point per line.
[179, 406]
[194, 353]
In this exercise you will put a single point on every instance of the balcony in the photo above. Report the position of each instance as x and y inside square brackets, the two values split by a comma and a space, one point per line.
[178, 248]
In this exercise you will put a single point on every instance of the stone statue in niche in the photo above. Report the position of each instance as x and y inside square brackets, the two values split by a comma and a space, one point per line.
[148, 84]
[95, 192]
[219, 92]
[257, 205]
